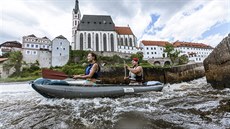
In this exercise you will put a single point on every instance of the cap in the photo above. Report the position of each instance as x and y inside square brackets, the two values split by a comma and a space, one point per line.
[135, 59]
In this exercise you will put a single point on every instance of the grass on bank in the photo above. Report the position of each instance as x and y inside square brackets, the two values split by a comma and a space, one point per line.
[18, 79]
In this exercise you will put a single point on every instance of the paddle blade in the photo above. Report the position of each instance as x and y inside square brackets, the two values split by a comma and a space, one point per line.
[51, 74]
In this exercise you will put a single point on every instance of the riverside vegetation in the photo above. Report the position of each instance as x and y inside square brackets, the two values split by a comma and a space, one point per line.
[77, 63]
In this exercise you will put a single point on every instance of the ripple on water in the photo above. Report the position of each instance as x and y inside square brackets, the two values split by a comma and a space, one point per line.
[184, 105]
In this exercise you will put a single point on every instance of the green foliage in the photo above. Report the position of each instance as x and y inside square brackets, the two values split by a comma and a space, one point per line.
[78, 55]
[183, 59]
[138, 55]
[73, 69]
[15, 61]
[171, 52]
[6, 55]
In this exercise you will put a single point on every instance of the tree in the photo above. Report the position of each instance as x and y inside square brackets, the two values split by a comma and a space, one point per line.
[14, 61]
[171, 52]
[138, 55]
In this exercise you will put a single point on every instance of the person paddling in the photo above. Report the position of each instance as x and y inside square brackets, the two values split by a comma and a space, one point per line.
[135, 72]
[91, 72]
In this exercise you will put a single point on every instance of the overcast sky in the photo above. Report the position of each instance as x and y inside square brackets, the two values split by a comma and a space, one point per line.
[203, 21]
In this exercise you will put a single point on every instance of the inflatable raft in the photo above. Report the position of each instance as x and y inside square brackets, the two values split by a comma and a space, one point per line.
[62, 89]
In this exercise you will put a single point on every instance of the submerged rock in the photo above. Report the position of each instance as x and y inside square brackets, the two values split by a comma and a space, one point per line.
[217, 65]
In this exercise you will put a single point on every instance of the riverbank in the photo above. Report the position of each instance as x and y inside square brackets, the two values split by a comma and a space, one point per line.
[18, 79]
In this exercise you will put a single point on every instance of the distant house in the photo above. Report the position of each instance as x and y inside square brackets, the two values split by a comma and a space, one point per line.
[48, 53]
[10, 46]
[196, 52]
[60, 51]
[36, 49]
[153, 49]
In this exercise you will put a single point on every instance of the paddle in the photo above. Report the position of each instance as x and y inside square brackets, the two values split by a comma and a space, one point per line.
[51, 74]
[125, 68]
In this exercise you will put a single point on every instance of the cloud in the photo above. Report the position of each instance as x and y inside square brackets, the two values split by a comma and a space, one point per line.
[167, 20]
[189, 23]
[42, 18]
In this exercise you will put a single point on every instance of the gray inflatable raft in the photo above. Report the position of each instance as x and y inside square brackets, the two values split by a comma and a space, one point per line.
[62, 89]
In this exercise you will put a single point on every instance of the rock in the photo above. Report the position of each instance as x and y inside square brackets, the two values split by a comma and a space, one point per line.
[115, 75]
[217, 65]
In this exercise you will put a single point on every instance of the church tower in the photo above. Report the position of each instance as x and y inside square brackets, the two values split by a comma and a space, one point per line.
[76, 18]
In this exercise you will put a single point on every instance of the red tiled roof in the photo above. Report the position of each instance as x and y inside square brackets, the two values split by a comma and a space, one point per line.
[154, 43]
[124, 30]
[189, 44]
[11, 44]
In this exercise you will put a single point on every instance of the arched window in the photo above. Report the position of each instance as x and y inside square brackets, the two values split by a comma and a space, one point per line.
[104, 42]
[112, 42]
[89, 40]
[97, 42]
[126, 42]
[81, 41]
[130, 42]
[118, 41]
[122, 43]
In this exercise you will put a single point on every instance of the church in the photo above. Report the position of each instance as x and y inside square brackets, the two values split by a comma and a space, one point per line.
[99, 33]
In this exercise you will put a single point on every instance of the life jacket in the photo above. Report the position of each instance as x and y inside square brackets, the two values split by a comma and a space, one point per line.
[96, 74]
[135, 77]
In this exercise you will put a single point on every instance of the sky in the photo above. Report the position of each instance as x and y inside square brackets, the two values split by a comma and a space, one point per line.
[198, 21]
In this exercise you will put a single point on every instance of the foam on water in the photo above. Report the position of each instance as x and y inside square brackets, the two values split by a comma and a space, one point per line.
[185, 104]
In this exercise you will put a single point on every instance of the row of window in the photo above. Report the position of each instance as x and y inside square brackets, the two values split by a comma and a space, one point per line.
[97, 42]
[60, 48]
[36, 40]
[151, 53]
[191, 48]
[36, 46]
[30, 52]
[126, 42]
[153, 48]
[104, 22]
[207, 53]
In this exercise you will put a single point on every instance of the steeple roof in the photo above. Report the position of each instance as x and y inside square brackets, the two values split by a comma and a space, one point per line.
[76, 9]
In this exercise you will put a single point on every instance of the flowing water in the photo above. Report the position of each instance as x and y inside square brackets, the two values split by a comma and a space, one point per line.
[189, 105]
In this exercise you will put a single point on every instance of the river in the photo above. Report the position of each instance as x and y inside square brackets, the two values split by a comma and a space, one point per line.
[187, 105]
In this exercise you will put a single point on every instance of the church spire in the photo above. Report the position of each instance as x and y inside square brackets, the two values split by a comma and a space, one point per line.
[76, 7]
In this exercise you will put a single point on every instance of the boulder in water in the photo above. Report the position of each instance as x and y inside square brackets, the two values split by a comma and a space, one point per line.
[217, 65]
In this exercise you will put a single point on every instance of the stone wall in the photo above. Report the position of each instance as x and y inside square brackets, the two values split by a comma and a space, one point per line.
[177, 74]
[217, 65]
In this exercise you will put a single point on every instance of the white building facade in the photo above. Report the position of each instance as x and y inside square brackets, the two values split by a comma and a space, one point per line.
[36, 49]
[60, 51]
[196, 52]
[44, 51]
[153, 49]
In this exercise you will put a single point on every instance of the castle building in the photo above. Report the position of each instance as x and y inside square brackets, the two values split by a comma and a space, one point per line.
[99, 33]
[196, 52]
[36, 49]
[153, 49]
[44, 51]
